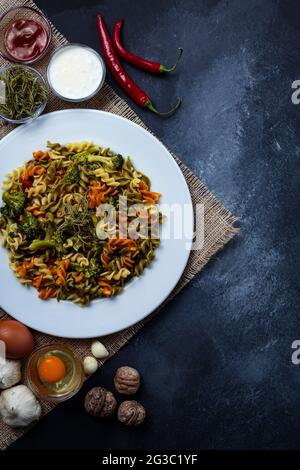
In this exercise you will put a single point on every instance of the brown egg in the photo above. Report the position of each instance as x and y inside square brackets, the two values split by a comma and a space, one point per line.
[17, 338]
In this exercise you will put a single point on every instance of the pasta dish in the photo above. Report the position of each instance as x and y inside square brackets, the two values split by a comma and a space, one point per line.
[79, 222]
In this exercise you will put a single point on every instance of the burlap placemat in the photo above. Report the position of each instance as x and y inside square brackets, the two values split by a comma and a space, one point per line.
[219, 223]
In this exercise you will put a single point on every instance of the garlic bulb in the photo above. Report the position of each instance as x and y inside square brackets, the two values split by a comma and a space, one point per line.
[10, 373]
[19, 407]
[99, 350]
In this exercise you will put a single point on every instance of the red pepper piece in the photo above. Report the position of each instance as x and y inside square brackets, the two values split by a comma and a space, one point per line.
[144, 64]
[122, 77]
[27, 183]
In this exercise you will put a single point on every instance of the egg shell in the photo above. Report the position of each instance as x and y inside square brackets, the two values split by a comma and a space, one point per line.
[17, 338]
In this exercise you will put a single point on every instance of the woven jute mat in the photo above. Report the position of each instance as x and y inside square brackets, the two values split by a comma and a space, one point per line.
[218, 222]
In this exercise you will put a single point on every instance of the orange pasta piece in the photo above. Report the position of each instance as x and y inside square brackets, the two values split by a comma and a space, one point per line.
[40, 155]
[106, 287]
[37, 281]
[24, 267]
[148, 196]
[21, 271]
[36, 170]
[78, 277]
[128, 262]
[113, 243]
[32, 208]
[61, 272]
[97, 194]
[105, 259]
[47, 293]
[27, 180]
[143, 186]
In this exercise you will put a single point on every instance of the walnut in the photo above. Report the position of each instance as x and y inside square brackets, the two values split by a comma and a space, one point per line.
[131, 413]
[100, 402]
[127, 380]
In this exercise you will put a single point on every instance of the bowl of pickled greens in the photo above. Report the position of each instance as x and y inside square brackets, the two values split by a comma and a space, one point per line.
[23, 94]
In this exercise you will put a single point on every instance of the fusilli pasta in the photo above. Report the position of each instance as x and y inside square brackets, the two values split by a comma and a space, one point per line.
[51, 223]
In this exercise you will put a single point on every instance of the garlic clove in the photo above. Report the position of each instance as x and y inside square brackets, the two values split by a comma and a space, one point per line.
[90, 365]
[99, 350]
[10, 373]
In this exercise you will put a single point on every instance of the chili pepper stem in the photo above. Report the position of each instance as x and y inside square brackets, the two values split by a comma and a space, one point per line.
[163, 69]
[150, 106]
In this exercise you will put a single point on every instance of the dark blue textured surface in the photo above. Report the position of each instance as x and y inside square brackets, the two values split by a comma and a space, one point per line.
[216, 363]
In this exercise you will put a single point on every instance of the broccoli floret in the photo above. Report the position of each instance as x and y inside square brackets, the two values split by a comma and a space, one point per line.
[59, 242]
[91, 166]
[5, 212]
[114, 163]
[55, 241]
[72, 176]
[15, 202]
[31, 227]
[93, 269]
[118, 162]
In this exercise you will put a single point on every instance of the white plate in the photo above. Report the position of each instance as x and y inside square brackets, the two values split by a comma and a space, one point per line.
[142, 295]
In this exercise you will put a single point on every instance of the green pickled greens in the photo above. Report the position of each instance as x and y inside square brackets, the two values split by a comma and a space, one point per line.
[24, 93]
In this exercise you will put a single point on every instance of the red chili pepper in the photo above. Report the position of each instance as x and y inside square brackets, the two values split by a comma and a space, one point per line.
[148, 65]
[122, 77]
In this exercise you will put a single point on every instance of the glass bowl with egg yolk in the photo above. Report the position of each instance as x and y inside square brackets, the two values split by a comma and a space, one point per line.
[54, 373]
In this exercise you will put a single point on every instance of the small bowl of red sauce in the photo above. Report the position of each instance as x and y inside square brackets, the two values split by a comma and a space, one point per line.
[25, 35]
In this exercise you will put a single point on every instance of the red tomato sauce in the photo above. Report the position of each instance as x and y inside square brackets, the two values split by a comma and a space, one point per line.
[25, 40]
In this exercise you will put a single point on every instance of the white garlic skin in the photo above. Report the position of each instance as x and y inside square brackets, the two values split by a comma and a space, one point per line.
[99, 350]
[90, 365]
[19, 407]
[10, 373]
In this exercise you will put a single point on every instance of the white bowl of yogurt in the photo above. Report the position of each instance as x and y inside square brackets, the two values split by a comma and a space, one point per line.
[75, 72]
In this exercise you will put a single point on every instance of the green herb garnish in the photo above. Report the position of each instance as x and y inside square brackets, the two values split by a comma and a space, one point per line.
[78, 221]
[24, 93]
